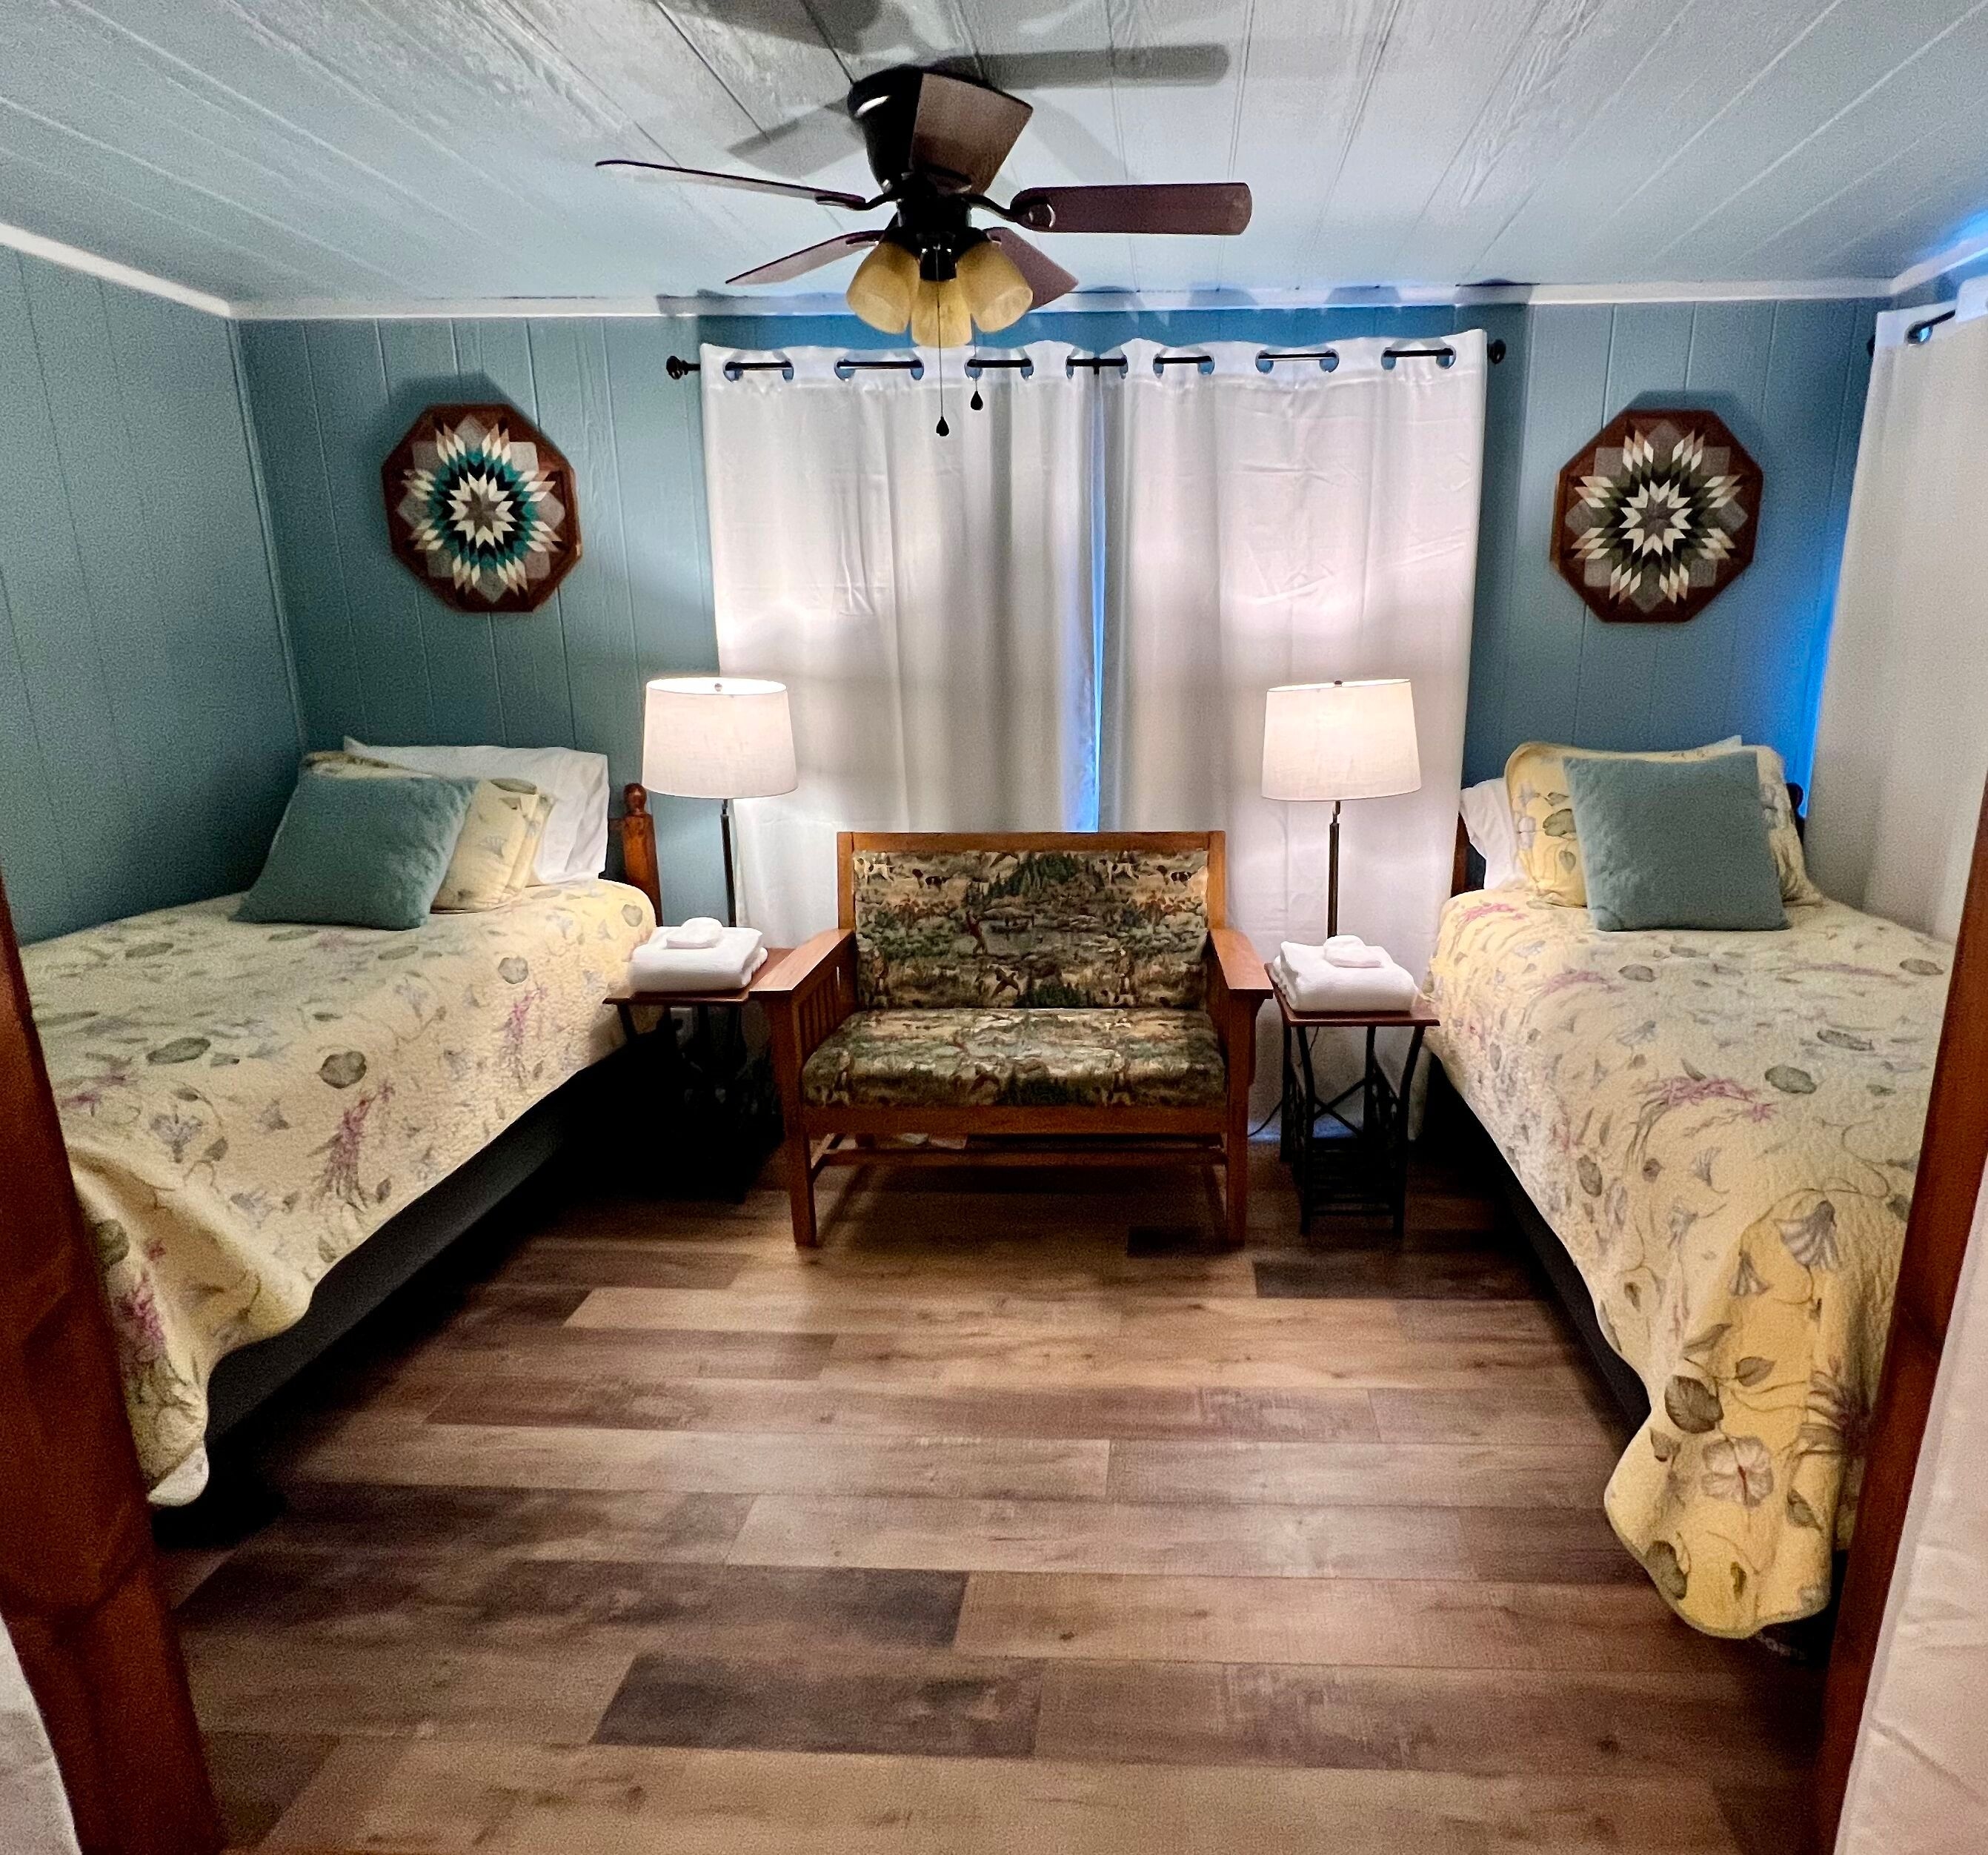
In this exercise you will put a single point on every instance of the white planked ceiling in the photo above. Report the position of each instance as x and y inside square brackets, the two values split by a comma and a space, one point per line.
[384, 152]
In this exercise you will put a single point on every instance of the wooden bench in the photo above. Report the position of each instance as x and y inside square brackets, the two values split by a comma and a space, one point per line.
[1019, 999]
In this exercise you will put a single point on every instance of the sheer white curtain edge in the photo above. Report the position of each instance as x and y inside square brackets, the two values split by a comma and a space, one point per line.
[926, 599]
[1901, 740]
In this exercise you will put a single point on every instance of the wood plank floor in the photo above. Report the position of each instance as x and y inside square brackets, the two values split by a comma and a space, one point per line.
[1018, 1518]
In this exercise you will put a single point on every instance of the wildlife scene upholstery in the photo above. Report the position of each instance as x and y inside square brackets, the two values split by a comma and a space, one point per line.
[951, 1058]
[1054, 928]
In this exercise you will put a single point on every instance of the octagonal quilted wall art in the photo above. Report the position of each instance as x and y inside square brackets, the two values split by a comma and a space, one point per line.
[480, 505]
[1656, 515]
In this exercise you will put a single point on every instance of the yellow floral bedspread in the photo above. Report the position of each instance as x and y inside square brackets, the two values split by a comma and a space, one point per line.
[244, 1105]
[1723, 1130]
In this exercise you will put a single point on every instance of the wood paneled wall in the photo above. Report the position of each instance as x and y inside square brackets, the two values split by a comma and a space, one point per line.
[148, 731]
[377, 657]
[1788, 378]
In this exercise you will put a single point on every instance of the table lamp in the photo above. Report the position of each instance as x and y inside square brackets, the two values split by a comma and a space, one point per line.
[718, 737]
[1340, 741]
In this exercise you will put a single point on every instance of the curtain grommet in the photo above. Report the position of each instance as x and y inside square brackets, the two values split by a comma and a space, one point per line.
[735, 370]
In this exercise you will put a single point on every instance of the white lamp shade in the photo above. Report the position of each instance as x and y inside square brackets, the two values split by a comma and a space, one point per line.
[718, 737]
[1339, 740]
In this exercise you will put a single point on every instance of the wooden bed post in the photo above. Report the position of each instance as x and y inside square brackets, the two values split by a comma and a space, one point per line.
[637, 829]
[78, 1584]
[1952, 1158]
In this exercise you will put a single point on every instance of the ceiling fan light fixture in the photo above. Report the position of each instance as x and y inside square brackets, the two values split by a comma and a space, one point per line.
[880, 292]
[997, 294]
[941, 317]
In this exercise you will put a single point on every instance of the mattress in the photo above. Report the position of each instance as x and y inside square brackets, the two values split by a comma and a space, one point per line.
[245, 1104]
[1723, 1130]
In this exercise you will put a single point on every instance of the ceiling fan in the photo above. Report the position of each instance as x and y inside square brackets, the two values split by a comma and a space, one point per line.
[936, 140]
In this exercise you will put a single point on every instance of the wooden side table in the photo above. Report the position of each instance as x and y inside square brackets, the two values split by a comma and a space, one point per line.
[1358, 1165]
[718, 1088]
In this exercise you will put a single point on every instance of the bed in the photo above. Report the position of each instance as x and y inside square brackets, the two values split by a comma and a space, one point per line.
[1722, 1130]
[245, 1105]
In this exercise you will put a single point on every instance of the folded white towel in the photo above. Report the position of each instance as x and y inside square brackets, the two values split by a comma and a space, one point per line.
[1345, 952]
[737, 956]
[699, 931]
[1329, 988]
[1351, 951]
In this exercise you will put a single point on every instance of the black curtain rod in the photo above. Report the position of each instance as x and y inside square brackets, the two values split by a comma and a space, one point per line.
[1917, 335]
[678, 368]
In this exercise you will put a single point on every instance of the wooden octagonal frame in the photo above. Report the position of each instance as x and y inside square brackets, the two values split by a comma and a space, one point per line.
[1619, 610]
[552, 463]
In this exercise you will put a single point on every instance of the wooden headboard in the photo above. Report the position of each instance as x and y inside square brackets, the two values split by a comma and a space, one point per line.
[1466, 869]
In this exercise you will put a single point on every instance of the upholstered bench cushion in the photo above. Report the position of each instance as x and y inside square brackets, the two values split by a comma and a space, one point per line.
[938, 929]
[1018, 1058]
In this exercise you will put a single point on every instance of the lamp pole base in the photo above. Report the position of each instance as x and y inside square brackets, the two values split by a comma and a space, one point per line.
[1332, 878]
[731, 876]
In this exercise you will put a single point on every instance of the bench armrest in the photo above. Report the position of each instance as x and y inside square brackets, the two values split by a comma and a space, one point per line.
[801, 968]
[1233, 967]
[1237, 987]
[806, 994]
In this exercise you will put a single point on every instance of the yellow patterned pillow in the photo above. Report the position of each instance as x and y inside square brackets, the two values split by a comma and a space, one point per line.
[1550, 851]
[500, 834]
[495, 836]
[538, 809]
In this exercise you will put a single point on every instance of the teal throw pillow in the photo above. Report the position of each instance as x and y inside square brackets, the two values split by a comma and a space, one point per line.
[1674, 844]
[360, 853]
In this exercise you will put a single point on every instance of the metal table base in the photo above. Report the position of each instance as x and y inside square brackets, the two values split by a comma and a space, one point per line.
[1338, 1163]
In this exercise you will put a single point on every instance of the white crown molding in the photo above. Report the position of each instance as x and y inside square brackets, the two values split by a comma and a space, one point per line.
[465, 309]
[1806, 289]
[1962, 251]
[1090, 302]
[1079, 303]
[73, 257]
[1120, 302]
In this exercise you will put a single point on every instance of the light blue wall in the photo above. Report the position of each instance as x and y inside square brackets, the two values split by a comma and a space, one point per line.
[377, 657]
[148, 729]
[1789, 379]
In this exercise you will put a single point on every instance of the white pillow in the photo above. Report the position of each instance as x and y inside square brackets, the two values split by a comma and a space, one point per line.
[575, 844]
[1487, 819]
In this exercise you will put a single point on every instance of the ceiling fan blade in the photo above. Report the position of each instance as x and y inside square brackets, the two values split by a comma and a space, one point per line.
[751, 183]
[804, 144]
[1046, 278]
[845, 25]
[1159, 64]
[965, 128]
[1215, 208]
[812, 257]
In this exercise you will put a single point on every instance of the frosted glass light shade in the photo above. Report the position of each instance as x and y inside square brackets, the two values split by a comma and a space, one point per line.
[997, 293]
[718, 737]
[1339, 740]
[880, 291]
[940, 317]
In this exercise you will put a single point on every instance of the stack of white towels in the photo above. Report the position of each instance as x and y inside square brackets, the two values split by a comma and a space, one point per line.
[1345, 974]
[701, 955]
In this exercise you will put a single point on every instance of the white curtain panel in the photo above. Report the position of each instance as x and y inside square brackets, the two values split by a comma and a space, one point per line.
[928, 601]
[1917, 1785]
[34, 1812]
[1296, 526]
[1901, 750]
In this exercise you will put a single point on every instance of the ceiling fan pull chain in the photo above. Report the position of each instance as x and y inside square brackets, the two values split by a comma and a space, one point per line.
[942, 429]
